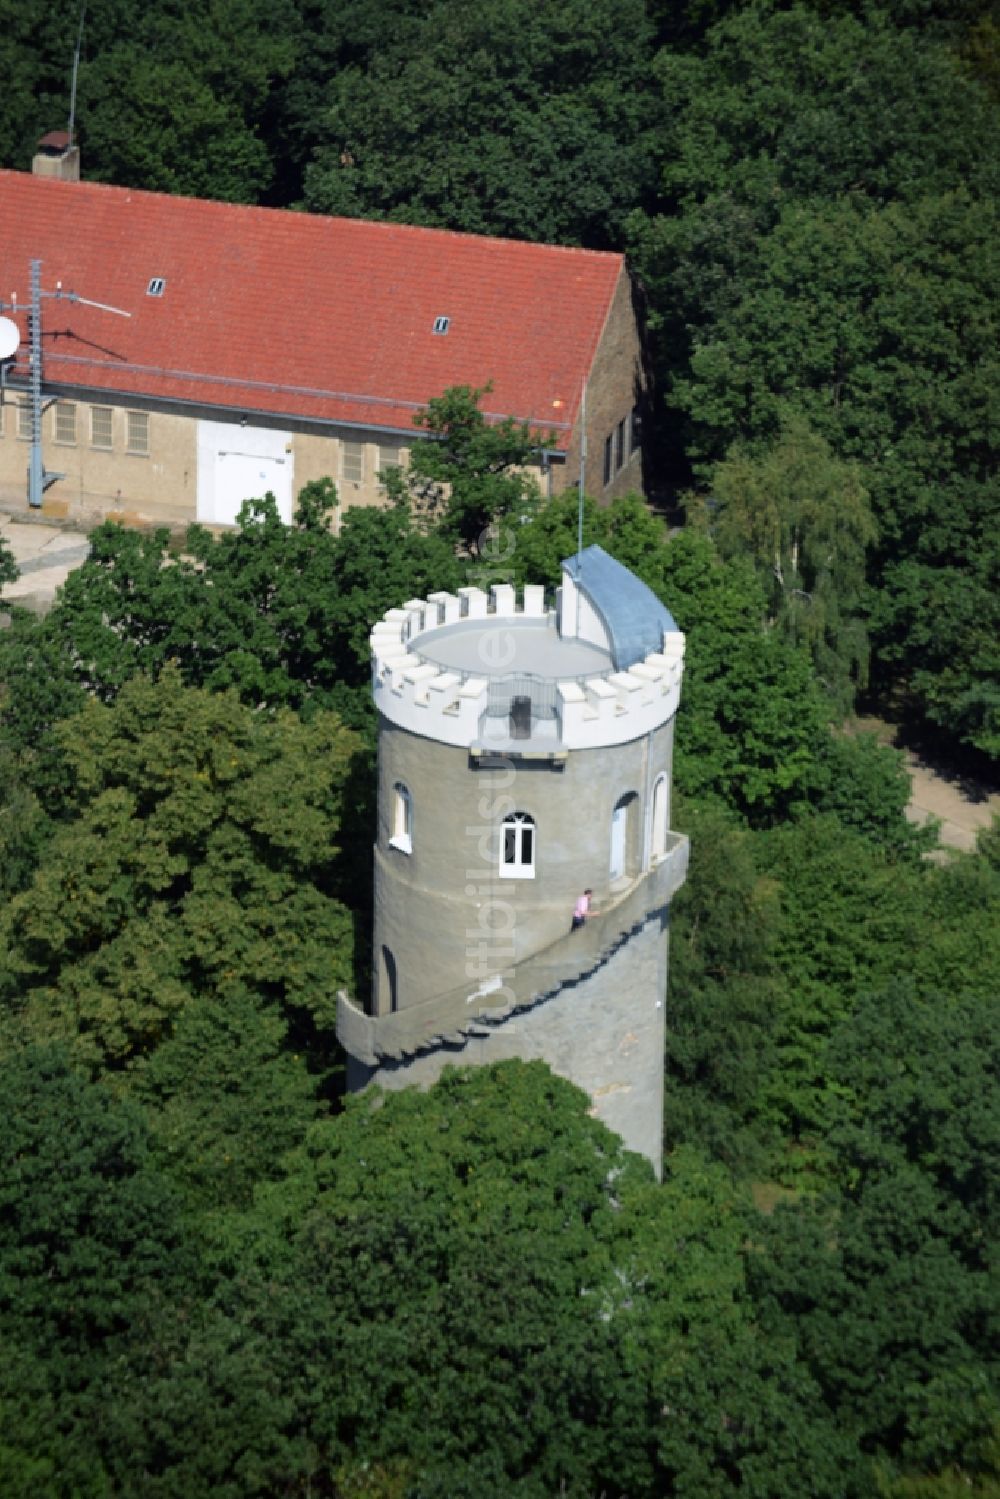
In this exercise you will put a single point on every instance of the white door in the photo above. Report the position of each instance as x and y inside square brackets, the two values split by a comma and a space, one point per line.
[619, 822]
[237, 463]
[246, 476]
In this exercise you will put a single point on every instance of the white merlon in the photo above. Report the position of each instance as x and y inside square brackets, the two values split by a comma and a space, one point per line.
[475, 603]
[449, 606]
[534, 600]
[443, 701]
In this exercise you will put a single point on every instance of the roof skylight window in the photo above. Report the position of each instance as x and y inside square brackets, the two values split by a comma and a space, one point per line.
[156, 287]
[441, 324]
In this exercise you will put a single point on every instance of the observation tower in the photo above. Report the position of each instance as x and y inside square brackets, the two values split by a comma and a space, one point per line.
[524, 755]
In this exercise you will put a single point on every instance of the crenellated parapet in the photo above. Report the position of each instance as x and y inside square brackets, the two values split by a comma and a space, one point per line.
[472, 704]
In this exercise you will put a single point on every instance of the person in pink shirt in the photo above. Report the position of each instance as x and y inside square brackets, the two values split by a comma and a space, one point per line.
[581, 910]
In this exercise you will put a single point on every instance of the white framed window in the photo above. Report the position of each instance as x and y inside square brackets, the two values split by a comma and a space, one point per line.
[401, 835]
[352, 462]
[517, 847]
[66, 423]
[101, 426]
[137, 433]
[24, 420]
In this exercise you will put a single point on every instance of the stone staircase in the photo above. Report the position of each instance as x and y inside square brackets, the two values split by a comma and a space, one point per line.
[449, 1020]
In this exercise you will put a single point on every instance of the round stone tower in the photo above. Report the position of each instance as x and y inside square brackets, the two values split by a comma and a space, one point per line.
[524, 757]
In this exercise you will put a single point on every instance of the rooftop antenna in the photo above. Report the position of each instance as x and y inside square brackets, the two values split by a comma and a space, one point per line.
[76, 69]
[39, 479]
[581, 486]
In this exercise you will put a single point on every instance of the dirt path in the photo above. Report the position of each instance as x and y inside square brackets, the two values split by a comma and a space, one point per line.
[962, 805]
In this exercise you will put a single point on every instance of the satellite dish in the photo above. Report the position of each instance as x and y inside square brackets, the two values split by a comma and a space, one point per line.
[10, 337]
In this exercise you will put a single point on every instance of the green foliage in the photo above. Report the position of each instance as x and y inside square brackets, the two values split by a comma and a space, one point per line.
[92, 1257]
[828, 252]
[470, 476]
[225, 1096]
[195, 852]
[887, 1287]
[721, 1009]
[280, 613]
[803, 517]
[169, 98]
[488, 1291]
[522, 119]
[867, 787]
[9, 570]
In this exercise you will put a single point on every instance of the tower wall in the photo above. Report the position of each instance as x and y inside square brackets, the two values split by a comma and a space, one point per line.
[442, 910]
[606, 1033]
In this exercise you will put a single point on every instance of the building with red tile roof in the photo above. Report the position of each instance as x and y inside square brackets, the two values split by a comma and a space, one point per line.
[264, 348]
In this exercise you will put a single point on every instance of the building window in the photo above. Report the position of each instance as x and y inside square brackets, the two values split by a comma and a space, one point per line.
[353, 462]
[65, 422]
[442, 324]
[388, 1002]
[138, 433]
[3, 408]
[608, 455]
[620, 445]
[390, 455]
[24, 420]
[401, 836]
[156, 287]
[517, 847]
[635, 431]
[622, 855]
[658, 821]
[100, 426]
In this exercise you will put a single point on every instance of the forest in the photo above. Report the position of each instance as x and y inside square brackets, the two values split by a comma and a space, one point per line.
[219, 1277]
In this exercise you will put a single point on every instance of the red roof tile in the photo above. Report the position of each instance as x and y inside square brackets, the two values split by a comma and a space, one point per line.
[268, 310]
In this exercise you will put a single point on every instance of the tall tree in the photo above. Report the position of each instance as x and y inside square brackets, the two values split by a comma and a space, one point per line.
[195, 853]
[803, 517]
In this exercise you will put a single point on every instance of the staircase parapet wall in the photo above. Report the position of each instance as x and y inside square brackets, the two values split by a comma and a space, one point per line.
[448, 1019]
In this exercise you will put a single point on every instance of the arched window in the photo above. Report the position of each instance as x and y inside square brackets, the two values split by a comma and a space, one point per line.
[658, 821]
[517, 847]
[622, 861]
[401, 827]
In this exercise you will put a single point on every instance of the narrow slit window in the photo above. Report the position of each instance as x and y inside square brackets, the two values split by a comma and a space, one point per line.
[620, 445]
[608, 455]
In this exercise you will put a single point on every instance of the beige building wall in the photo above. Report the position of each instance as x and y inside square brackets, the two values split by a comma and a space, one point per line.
[140, 465]
[122, 463]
